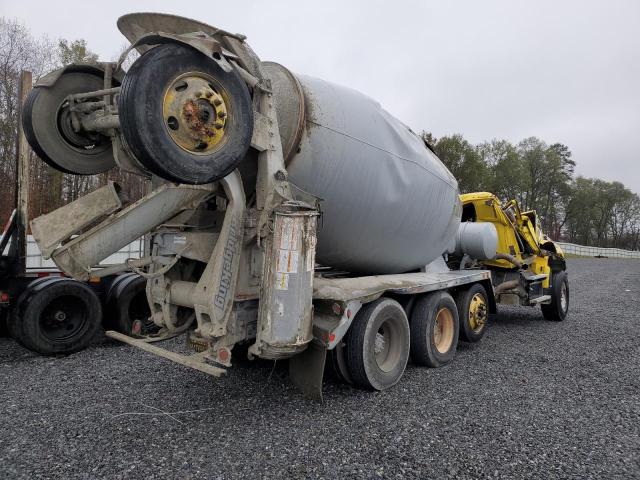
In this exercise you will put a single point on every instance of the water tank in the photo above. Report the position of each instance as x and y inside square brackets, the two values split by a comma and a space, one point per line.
[389, 205]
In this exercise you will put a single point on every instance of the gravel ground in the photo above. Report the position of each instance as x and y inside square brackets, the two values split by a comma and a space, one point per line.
[534, 399]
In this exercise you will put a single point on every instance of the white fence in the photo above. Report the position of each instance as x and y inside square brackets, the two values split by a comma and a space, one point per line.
[36, 262]
[598, 251]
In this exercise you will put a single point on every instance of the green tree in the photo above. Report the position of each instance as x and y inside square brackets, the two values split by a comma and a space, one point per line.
[505, 169]
[463, 160]
[75, 51]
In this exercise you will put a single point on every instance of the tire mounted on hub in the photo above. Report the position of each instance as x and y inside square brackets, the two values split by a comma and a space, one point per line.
[48, 128]
[183, 116]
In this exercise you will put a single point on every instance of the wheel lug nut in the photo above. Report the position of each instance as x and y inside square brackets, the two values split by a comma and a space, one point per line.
[222, 114]
[218, 125]
[217, 102]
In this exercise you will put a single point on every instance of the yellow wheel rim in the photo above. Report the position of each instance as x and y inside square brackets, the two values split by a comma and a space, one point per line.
[196, 112]
[478, 312]
[443, 330]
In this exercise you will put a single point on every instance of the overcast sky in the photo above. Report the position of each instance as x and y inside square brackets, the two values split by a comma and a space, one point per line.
[564, 71]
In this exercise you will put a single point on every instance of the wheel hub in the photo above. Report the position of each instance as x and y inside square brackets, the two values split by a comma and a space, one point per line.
[195, 110]
[563, 297]
[386, 348]
[477, 312]
[63, 318]
[443, 330]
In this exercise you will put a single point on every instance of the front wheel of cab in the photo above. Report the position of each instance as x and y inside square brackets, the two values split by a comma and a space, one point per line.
[184, 117]
[559, 307]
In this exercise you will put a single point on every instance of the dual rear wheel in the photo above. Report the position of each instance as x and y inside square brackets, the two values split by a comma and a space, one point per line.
[377, 347]
[126, 307]
[56, 315]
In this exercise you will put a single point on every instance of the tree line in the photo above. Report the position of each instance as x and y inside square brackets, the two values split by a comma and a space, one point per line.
[48, 188]
[587, 211]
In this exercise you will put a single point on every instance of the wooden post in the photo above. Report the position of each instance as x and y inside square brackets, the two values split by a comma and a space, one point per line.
[22, 176]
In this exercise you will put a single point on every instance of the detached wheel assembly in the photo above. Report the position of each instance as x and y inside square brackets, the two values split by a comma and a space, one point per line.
[185, 118]
[57, 315]
[473, 311]
[377, 345]
[559, 307]
[434, 330]
[126, 308]
[49, 130]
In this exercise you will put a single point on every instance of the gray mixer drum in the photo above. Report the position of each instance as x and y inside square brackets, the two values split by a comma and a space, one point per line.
[389, 204]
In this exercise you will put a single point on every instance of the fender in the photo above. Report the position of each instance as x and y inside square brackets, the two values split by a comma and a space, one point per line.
[51, 78]
[209, 46]
[145, 30]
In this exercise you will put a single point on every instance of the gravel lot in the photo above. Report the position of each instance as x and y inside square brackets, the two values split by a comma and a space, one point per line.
[534, 399]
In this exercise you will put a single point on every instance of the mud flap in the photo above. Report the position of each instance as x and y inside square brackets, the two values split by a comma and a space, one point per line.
[307, 370]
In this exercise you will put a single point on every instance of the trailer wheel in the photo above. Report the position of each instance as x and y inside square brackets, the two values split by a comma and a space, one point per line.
[49, 130]
[126, 308]
[473, 312]
[559, 307]
[183, 116]
[434, 330]
[59, 316]
[14, 317]
[377, 345]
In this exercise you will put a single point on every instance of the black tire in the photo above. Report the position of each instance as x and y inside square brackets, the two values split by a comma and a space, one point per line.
[338, 362]
[14, 319]
[473, 313]
[4, 327]
[126, 308]
[146, 131]
[12, 323]
[58, 317]
[369, 369]
[48, 130]
[559, 307]
[434, 330]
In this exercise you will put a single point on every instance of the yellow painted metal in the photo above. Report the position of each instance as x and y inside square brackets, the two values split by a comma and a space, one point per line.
[519, 234]
[196, 109]
[488, 209]
[478, 312]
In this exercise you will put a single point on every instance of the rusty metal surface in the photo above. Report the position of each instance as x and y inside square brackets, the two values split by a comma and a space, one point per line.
[372, 287]
[286, 311]
[290, 107]
[195, 113]
[197, 361]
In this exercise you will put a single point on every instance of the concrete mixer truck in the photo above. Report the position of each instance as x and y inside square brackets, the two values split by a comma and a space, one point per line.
[288, 214]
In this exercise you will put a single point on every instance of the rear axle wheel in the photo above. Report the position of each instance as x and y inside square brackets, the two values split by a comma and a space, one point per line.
[434, 330]
[377, 345]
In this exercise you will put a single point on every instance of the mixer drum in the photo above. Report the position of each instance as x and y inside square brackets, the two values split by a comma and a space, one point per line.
[389, 204]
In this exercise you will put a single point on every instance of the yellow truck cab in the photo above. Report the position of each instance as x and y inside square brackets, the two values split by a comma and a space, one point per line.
[529, 268]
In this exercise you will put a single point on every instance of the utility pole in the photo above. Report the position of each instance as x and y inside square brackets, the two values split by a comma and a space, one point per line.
[22, 176]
